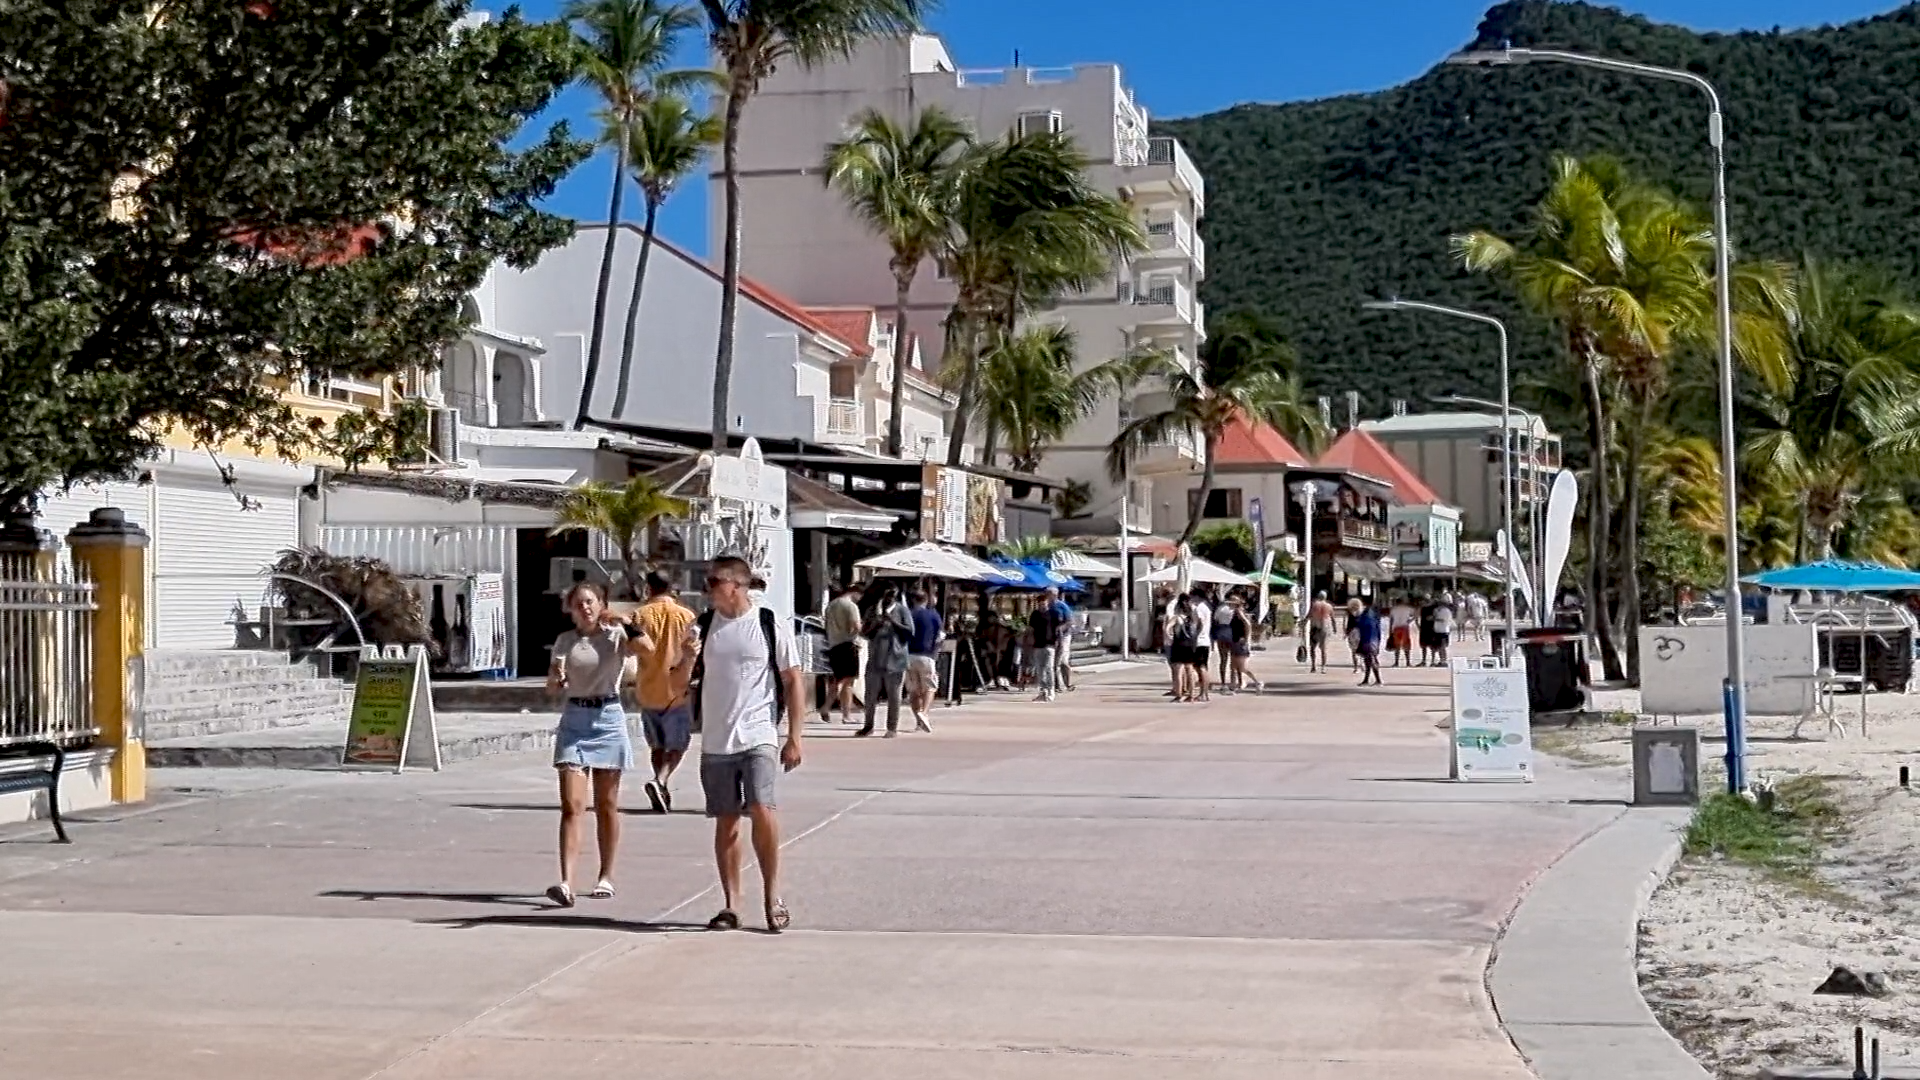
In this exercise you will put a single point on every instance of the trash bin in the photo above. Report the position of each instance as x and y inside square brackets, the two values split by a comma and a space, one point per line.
[1556, 668]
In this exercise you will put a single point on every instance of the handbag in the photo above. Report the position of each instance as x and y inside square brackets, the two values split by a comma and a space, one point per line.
[1300, 654]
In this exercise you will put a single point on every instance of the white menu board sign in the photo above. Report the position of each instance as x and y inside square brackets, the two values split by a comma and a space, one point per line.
[1492, 734]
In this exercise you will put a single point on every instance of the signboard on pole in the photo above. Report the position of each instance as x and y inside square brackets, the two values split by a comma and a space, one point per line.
[1257, 520]
[392, 722]
[1492, 734]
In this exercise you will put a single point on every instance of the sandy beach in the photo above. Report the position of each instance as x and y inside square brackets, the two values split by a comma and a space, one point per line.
[1729, 955]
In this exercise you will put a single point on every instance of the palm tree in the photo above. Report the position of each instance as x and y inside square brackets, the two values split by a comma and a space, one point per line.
[1259, 389]
[1042, 548]
[623, 47]
[622, 515]
[668, 140]
[1029, 392]
[751, 38]
[1567, 267]
[1849, 420]
[1029, 227]
[900, 181]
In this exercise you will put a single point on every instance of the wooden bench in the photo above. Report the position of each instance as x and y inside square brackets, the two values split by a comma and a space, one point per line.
[45, 778]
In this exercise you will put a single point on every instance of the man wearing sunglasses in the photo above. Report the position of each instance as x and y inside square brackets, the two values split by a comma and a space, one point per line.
[749, 673]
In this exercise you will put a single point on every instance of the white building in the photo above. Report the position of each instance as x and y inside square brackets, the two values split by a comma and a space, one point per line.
[1457, 454]
[799, 237]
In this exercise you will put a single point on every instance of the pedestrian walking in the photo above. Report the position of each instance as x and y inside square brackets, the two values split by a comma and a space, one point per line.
[1240, 644]
[1046, 624]
[1400, 619]
[1201, 652]
[1429, 652]
[591, 746]
[1367, 632]
[666, 670]
[1319, 629]
[748, 676]
[1063, 645]
[1222, 640]
[888, 629]
[1443, 630]
[1355, 606]
[923, 669]
[843, 652]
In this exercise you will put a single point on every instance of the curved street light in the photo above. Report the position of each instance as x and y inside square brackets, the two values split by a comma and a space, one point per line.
[1512, 552]
[1733, 690]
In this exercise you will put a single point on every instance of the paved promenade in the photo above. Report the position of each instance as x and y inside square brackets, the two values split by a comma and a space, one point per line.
[1108, 887]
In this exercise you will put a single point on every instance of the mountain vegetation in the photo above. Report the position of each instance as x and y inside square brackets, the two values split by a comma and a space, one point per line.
[1314, 207]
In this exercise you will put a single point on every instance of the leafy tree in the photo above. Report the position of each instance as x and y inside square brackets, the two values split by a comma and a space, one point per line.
[362, 436]
[1073, 499]
[1029, 228]
[751, 38]
[1228, 543]
[624, 47]
[900, 181]
[1200, 401]
[622, 515]
[1029, 547]
[668, 141]
[1029, 391]
[198, 209]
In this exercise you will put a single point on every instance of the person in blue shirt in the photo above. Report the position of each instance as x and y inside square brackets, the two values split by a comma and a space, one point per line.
[923, 675]
[1366, 628]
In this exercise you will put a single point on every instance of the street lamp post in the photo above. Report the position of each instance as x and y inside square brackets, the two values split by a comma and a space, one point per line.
[1536, 511]
[1307, 493]
[1733, 689]
[1506, 442]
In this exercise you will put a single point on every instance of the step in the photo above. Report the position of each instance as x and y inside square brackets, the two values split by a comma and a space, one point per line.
[167, 662]
[463, 736]
[257, 708]
[232, 724]
[259, 675]
[239, 694]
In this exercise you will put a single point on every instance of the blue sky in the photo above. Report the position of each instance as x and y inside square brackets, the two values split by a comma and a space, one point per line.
[1210, 55]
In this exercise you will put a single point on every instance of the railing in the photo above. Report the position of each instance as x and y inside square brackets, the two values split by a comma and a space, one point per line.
[1370, 533]
[1168, 151]
[1199, 252]
[46, 655]
[1174, 294]
[843, 420]
[1002, 76]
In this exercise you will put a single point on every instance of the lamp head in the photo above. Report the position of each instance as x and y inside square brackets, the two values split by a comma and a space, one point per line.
[1383, 305]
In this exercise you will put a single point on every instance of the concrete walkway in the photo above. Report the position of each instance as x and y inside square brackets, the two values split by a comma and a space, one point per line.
[1110, 886]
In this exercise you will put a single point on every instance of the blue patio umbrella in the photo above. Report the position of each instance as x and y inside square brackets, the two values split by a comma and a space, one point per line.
[1838, 575]
[1038, 575]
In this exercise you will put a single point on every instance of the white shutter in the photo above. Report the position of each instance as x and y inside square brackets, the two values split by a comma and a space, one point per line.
[209, 555]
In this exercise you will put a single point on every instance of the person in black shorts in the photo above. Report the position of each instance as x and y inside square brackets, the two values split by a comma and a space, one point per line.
[843, 621]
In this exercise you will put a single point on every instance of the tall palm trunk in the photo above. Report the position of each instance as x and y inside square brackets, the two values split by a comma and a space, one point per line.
[1211, 443]
[633, 310]
[730, 258]
[1599, 529]
[896, 424]
[1630, 539]
[990, 445]
[964, 335]
[592, 373]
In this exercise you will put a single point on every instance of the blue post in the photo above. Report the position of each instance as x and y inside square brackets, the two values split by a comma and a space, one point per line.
[1736, 725]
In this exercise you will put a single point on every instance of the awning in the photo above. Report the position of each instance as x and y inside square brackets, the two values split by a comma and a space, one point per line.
[813, 505]
[1363, 569]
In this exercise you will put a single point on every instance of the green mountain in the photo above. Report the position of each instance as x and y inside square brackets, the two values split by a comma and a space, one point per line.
[1313, 207]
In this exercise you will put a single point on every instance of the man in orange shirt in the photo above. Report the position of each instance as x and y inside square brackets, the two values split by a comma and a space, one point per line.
[666, 710]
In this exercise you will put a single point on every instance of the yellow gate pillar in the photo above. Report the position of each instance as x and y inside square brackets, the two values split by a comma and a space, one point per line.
[113, 552]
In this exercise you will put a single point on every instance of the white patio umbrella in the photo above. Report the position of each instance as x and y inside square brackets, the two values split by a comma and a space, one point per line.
[928, 559]
[1198, 571]
[1076, 564]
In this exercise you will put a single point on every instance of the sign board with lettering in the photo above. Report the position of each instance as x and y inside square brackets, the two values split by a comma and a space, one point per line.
[392, 722]
[1492, 728]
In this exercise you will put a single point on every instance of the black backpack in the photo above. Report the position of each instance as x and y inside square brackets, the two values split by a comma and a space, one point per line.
[1185, 635]
[769, 627]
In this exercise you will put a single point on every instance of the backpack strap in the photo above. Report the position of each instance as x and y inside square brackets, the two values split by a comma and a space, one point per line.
[769, 625]
[704, 621]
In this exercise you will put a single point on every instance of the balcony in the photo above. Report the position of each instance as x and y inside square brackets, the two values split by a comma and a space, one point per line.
[842, 423]
[1168, 172]
[1160, 301]
[1343, 532]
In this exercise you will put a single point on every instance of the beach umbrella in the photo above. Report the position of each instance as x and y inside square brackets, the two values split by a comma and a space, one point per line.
[927, 559]
[1836, 576]
[1197, 571]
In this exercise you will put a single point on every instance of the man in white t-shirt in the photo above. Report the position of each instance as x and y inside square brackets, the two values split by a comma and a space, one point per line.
[1400, 620]
[749, 669]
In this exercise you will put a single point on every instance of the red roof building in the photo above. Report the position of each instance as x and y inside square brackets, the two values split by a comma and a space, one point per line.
[1360, 452]
[1248, 442]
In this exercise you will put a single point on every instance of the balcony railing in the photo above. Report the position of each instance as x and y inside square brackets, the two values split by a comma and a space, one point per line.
[1177, 295]
[1166, 151]
[842, 422]
[1357, 533]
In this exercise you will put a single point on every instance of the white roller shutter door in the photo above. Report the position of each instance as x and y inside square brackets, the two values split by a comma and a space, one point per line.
[210, 556]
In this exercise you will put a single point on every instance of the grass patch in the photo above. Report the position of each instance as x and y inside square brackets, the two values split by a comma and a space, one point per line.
[1780, 832]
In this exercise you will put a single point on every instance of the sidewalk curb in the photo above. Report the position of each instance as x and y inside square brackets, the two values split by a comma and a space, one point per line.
[1563, 977]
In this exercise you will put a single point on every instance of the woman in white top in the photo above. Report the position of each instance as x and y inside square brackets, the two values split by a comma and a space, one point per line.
[591, 739]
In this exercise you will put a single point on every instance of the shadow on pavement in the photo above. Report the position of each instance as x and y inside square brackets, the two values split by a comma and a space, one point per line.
[509, 899]
[569, 922]
[554, 808]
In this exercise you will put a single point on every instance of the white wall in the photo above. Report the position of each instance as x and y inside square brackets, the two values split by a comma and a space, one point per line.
[1170, 494]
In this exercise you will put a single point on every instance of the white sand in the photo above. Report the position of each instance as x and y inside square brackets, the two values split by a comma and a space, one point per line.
[1729, 957]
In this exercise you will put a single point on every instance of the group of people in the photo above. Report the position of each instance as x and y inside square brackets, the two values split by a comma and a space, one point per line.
[1398, 625]
[903, 639]
[1198, 628]
[732, 673]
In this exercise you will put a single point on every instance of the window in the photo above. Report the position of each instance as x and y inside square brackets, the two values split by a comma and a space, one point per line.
[1221, 503]
[1035, 123]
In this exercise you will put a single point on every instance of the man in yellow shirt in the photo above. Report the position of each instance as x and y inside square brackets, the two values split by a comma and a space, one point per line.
[666, 709]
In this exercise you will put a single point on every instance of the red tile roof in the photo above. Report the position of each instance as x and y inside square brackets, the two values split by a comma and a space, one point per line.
[1248, 442]
[792, 310]
[1363, 453]
[850, 324]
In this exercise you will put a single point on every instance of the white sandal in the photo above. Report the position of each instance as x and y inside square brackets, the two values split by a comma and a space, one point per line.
[561, 895]
[603, 890]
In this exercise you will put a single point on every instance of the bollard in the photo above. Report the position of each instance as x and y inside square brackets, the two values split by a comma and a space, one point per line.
[1903, 776]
